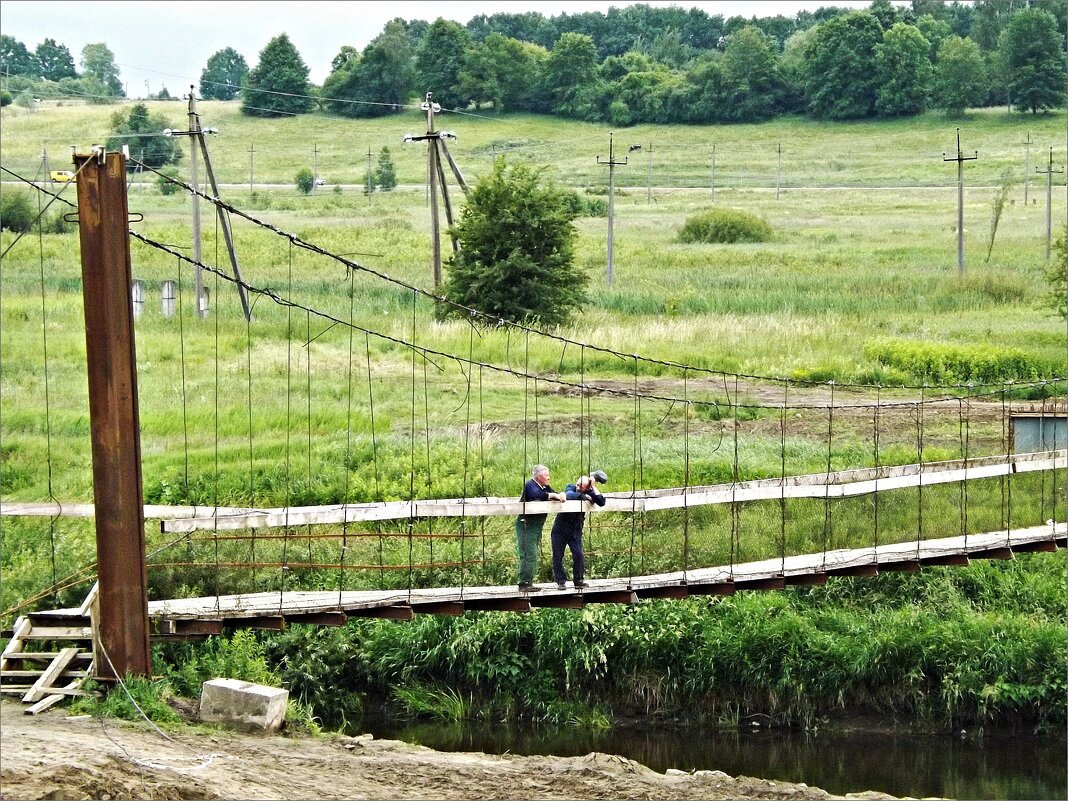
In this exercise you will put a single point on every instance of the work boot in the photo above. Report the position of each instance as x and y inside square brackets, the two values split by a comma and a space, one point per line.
[581, 585]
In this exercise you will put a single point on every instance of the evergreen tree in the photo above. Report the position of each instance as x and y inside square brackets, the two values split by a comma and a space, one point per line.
[278, 85]
[143, 133]
[54, 61]
[385, 174]
[517, 243]
[1032, 52]
[903, 71]
[223, 75]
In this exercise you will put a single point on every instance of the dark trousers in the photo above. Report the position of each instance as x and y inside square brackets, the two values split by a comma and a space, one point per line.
[571, 539]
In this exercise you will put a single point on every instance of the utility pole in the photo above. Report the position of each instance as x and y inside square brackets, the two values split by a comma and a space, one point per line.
[778, 171]
[960, 159]
[194, 130]
[612, 164]
[196, 135]
[251, 157]
[315, 165]
[46, 168]
[114, 421]
[1048, 172]
[649, 176]
[1027, 166]
[713, 173]
[370, 186]
[432, 183]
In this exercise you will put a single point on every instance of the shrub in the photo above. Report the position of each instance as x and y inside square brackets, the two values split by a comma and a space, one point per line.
[16, 212]
[724, 226]
[5, 98]
[305, 180]
[958, 363]
[167, 187]
[1056, 274]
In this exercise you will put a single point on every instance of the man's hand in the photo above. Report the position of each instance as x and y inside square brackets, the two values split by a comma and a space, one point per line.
[557, 496]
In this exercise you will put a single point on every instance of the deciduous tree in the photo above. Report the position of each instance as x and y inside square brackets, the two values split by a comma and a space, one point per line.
[439, 61]
[223, 75]
[143, 133]
[960, 78]
[15, 59]
[54, 61]
[903, 71]
[841, 67]
[1032, 52]
[98, 65]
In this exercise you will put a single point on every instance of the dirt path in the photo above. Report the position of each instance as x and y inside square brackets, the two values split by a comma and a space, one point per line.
[52, 756]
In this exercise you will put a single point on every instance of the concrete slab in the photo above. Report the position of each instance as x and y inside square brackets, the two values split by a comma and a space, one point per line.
[243, 705]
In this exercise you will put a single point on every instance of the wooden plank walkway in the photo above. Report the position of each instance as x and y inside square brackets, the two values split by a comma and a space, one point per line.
[837, 484]
[273, 610]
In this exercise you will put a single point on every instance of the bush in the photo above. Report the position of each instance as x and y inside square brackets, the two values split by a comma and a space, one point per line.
[5, 98]
[581, 206]
[167, 187]
[724, 226]
[958, 363]
[16, 213]
[305, 180]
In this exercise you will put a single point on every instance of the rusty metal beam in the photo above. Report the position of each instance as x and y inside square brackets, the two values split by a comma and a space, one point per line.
[676, 592]
[858, 571]
[719, 588]
[610, 597]
[267, 622]
[558, 601]
[1040, 546]
[949, 560]
[991, 553]
[497, 605]
[761, 584]
[319, 618]
[904, 566]
[451, 608]
[805, 580]
[114, 419]
[397, 612]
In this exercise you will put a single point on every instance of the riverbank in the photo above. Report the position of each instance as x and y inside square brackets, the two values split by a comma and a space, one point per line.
[56, 756]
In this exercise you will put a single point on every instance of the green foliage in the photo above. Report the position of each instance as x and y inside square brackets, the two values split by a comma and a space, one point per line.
[947, 364]
[242, 656]
[1056, 274]
[142, 132]
[278, 85]
[305, 180]
[438, 62]
[1031, 48]
[54, 61]
[223, 75]
[997, 206]
[724, 226]
[385, 174]
[136, 698]
[571, 74]
[841, 69]
[16, 212]
[98, 66]
[377, 83]
[517, 245]
[751, 77]
[903, 71]
[960, 76]
[5, 98]
[440, 703]
[15, 59]
[164, 186]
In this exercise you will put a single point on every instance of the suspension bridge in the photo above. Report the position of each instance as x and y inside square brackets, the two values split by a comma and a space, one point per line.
[729, 482]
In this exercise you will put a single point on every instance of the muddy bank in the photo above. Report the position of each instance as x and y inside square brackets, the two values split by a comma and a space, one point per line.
[53, 756]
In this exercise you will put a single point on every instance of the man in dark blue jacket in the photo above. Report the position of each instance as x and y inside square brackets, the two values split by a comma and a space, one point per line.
[567, 529]
[528, 526]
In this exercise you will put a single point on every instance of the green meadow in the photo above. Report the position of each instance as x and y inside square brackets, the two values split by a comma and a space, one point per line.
[321, 398]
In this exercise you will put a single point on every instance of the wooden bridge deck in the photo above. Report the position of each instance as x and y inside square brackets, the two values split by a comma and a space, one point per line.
[838, 484]
[194, 617]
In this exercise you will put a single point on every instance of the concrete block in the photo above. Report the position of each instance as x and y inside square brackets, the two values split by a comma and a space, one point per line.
[243, 705]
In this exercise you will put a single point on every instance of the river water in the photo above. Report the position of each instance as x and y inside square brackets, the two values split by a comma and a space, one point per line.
[901, 764]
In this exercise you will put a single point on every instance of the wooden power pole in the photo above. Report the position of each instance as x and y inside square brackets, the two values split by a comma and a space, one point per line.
[960, 159]
[114, 420]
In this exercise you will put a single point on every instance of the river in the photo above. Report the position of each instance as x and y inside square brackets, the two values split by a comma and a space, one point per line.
[998, 766]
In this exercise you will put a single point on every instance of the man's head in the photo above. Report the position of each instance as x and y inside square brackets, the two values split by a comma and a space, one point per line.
[583, 483]
[540, 474]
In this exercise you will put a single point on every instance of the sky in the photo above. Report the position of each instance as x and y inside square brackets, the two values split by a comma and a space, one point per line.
[159, 44]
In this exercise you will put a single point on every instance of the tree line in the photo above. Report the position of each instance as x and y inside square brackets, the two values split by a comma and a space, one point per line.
[651, 65]
[645, 65]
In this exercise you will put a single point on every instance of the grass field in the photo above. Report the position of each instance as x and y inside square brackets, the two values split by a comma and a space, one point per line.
[299, 407]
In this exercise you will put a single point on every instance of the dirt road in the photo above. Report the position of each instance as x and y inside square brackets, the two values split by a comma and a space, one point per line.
[53, 756]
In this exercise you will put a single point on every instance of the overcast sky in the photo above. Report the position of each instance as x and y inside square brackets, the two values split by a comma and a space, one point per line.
[168, 43]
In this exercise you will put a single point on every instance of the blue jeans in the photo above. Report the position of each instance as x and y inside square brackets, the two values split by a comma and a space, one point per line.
[573, 540]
